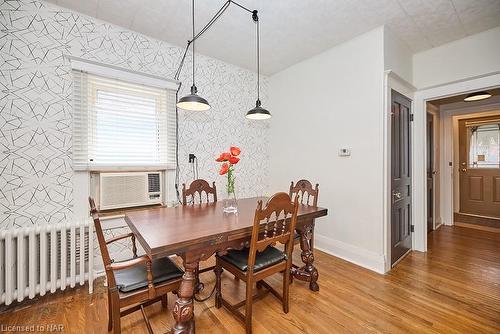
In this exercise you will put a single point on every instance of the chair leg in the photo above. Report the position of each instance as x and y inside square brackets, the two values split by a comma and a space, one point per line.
[248, 307]
[218, 292]
[115, 309]
[286, 289]
[110, 313]
[164, 301]
[146, 320]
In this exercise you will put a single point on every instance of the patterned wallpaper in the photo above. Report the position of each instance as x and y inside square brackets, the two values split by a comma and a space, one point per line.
[36, 182]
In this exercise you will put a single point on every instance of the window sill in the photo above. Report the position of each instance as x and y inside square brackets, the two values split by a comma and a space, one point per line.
[126, 168]
[120, 213]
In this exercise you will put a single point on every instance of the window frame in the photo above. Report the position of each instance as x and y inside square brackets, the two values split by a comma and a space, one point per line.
[131, 77]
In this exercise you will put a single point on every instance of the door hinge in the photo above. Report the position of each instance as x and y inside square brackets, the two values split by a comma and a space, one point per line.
[411, 117]
[412, 228]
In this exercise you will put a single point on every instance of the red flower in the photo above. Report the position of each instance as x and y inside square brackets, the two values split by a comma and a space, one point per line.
[235, 151]
[234, 160]
[223, 157]
[224, 168]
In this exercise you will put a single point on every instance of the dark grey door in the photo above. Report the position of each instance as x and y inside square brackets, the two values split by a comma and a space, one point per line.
[401, 176]
[430, 172]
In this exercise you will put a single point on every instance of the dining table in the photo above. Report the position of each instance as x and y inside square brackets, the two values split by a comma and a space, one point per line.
[196, 232]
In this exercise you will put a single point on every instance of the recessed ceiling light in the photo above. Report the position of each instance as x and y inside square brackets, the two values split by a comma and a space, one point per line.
[477, 96]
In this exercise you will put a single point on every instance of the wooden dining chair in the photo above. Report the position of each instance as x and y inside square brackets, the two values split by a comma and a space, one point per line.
[199, 192]
[272, 224]
[134, 283]
[308, 196]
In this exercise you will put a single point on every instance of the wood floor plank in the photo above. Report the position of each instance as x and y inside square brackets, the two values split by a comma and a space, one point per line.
[453, 288]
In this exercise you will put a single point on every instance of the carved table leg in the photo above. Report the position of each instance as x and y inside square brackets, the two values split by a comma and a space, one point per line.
[184, 305]
[308, 272]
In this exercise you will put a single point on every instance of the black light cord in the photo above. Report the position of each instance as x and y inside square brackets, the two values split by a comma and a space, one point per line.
[258, 55]
[193, 40]
[177, 74]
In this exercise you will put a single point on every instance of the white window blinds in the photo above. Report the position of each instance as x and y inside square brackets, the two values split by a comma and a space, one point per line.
[121, 124]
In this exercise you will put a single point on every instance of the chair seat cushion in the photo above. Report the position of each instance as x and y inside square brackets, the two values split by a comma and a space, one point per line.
[268, 257]
[135, 277]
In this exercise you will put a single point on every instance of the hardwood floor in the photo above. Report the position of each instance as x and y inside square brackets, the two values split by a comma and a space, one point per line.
[454, 288]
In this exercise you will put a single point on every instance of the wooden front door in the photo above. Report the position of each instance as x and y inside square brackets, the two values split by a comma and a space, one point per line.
[430, 172]
[479, 167]
[400, 176]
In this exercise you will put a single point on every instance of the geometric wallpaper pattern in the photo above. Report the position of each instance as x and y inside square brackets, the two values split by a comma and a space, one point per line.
[36, 181]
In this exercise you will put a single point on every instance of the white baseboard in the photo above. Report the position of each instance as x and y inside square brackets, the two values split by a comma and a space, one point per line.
[348, 252]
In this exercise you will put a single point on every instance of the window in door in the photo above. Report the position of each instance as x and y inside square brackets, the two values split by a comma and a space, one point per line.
[484, 146]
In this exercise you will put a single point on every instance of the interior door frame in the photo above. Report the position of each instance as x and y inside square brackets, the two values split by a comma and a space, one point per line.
[422, 96]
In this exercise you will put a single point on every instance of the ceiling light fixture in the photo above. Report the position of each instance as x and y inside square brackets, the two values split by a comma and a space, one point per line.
[193, 101]
[477, 96]
[258, 113]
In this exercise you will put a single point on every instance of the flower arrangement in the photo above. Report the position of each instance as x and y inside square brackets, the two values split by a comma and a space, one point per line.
[229, 159]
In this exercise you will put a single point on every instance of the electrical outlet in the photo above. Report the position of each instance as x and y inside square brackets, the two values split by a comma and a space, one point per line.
[191, 157]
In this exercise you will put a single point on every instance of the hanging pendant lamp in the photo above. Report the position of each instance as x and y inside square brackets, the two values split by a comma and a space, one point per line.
[193, 101]
[258, 113]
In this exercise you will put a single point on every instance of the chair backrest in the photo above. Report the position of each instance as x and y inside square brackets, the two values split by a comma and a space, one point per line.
[272, 224]
[194, 195]
[106, 259]
[303, 187]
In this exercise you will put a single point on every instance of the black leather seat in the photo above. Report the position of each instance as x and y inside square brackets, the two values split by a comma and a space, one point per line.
[268, 257]
[135, 277]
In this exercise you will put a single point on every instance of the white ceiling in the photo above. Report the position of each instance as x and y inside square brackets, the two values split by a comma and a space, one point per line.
[293, 30]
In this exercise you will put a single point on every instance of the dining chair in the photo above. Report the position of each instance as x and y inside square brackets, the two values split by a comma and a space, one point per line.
[199, 192]
[308, 196]
[134, 283]
[272, 224]
[194, 194]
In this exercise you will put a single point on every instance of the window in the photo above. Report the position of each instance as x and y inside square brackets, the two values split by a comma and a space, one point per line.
[484, 146]
[121, 124]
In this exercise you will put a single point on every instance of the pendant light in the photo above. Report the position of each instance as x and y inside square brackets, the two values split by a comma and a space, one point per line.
[258, 113]
[477, 96]
[193, 101]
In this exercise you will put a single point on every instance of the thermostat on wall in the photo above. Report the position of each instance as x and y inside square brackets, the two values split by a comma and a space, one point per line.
[344, 152]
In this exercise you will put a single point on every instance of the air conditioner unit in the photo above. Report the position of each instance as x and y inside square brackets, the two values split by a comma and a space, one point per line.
[123, 190]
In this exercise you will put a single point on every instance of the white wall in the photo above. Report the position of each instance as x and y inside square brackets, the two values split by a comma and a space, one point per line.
[466, 58]
[331, 101]
[397, 56]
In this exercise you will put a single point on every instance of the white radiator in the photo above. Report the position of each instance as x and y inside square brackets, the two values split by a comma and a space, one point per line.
[41, 259]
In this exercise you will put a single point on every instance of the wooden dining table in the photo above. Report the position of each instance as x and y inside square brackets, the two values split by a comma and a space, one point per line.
[196, 232]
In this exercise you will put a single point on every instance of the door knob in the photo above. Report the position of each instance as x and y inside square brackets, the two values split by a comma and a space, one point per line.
[464, 170]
